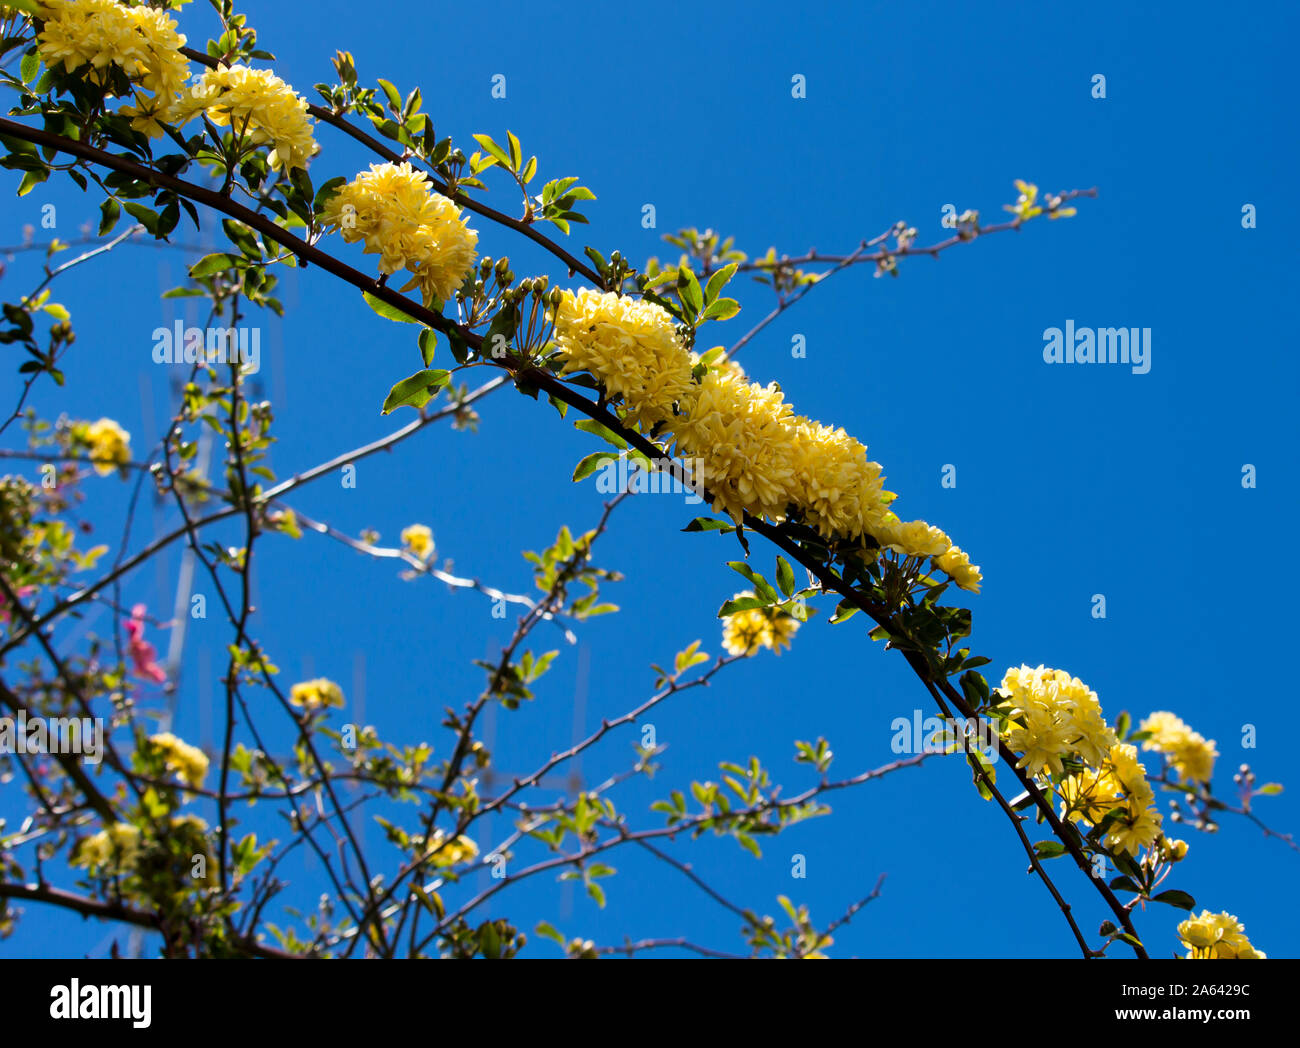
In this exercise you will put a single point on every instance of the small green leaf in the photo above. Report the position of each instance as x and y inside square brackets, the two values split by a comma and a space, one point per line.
[218, 262]
[428, 343]
[1177, 898]
[386, 311]
[718, 281]
[416, 390]
[110, 210]
[730, 607]
[784, 576]
[596, 429]
[590, 463]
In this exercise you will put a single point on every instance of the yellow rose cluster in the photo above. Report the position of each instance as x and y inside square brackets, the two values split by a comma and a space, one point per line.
[745, 632]
[753, 453]
[1217, 936]
[1188, 752]
[140, 41]
[394, 210]
[188, 763]
[109, 443]
[316, 694]
[1055, 717]
[631, 346]
[257, 104]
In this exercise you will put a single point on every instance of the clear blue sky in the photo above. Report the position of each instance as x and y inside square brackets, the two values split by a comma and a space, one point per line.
[1072, 481]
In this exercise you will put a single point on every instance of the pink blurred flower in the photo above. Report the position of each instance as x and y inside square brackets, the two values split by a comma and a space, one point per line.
[143, 654]
[21, 591]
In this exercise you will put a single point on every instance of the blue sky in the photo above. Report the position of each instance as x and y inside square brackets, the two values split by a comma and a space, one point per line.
[1072, 480]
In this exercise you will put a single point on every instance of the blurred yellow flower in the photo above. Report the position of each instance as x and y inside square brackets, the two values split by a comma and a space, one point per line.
[316, 694]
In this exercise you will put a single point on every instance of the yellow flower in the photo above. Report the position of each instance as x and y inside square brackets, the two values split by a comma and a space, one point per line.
[316, 694]
[957, 566]
[1089, 795]
[631, 346]
[394, 210]
[442, 853]
[418, 539]
[743, 438]
[116, 846]
[110, 445]
[140, 41]
[839, 490]
[257, 105]
[1024, 208]
[745, 632]
[188, 763]
[916, 538]
[1188, 752]
[1054, 716]
[1217, 936]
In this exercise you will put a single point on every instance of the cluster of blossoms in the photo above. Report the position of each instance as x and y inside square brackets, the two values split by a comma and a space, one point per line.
[745, 632]
[1217, 936]
[632, 346]
[418, 539]
[144, 656]
[109, 444]
[394, 210]
[118, 848]
[257, 105]
[141, 42]
[316, 694]
[757, 455]
[1189, 753]
[1055, 717]
[186, 762]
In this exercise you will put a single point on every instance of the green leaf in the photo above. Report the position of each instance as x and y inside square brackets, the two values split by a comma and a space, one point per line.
[709, 524]
[590, 463]
[1049, 849]
[784, 576]
[723, 309]
[390, 91]
[730, 607]
[516, 151]
[593, 427]
[428, 342]
[32, 179]
[689, 290]
[218, 262]
[493, 150]
[718, 281]
[416, 390]
[147, 217]
[1174, 897]
[110, 210]
[30, 65]
[386, 311]
[762, 587]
